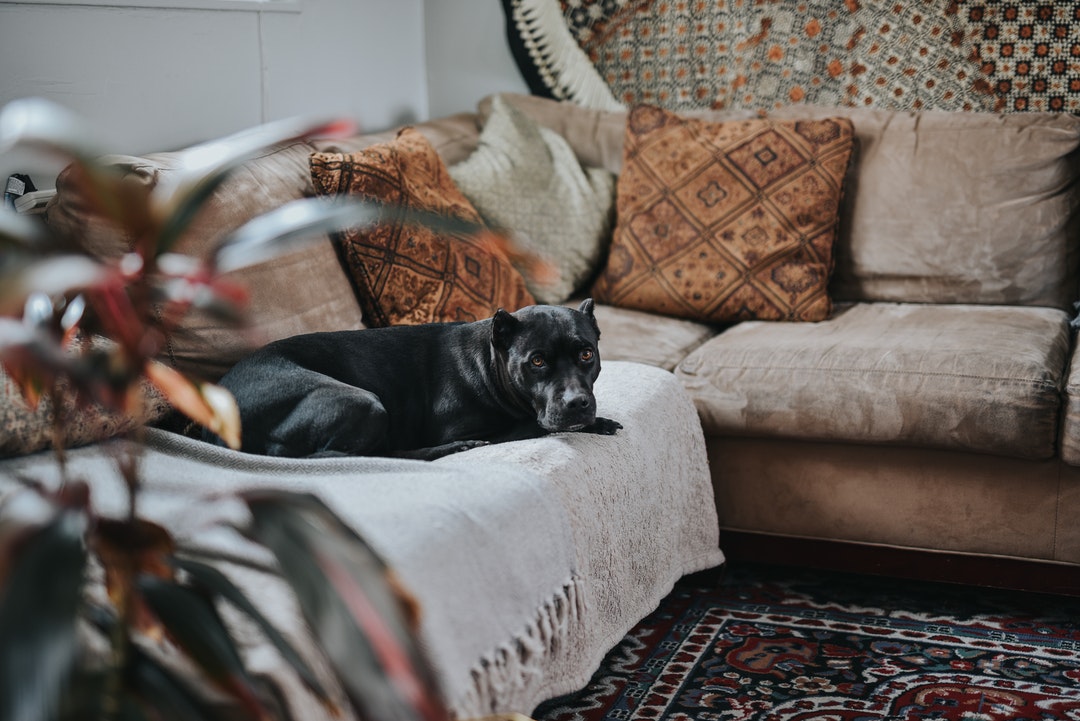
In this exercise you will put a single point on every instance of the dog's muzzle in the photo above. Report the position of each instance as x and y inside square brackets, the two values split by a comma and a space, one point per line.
[572, 410]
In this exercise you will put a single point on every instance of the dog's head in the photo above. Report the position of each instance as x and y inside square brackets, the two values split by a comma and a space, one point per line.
[551, 360]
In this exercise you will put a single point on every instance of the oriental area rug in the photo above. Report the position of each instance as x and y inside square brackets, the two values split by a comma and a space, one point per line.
[770, 644]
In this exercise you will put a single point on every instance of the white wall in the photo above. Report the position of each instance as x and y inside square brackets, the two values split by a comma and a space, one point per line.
[467, 54]
[158, 79]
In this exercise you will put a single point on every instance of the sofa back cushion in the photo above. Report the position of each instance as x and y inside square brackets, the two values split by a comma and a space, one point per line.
[293, 293]
[298, 292]
[959, 208]
[939, 207]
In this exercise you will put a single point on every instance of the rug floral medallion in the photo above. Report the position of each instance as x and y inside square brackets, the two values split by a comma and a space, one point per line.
[773, 649]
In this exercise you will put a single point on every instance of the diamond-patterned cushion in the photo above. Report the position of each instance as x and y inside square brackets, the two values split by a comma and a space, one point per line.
[405, 274]
[726, 221]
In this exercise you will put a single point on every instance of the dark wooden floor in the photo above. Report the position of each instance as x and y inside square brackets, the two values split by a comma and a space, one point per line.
[989, 571]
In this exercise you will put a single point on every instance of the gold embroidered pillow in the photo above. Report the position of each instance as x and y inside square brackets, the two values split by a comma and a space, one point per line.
[406, 274]
[726, 221]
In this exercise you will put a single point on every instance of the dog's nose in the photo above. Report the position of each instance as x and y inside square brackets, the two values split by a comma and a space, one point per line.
[578, 401]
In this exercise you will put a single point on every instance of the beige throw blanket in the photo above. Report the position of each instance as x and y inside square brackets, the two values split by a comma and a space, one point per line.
[530, 559]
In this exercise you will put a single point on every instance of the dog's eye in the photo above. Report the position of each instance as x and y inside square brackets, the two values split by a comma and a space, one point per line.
[586, 355]
[537, 360]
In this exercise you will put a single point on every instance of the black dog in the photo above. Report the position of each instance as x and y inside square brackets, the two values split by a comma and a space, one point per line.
[422, 391]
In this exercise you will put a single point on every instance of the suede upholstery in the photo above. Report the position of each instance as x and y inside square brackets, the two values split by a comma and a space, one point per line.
[634, 335]
[1070, 425]
[934, 202]
[937, 408]
[937, 201]
[906, 497]
[300, 292]
[890, 373]
[950, 219]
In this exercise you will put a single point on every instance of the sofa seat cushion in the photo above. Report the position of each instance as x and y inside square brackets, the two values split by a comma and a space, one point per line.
[1070, 422]
[634, 335]
[977, 378]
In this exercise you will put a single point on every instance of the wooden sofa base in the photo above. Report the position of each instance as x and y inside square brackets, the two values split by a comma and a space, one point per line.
[906, 512]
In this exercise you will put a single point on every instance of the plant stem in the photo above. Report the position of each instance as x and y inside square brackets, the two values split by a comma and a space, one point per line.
[127, 463]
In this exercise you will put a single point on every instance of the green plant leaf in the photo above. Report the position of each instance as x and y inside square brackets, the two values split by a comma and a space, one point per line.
[202, 168]
[147, 684]
[280, 230]
[45, 125]
[191, 621]
[343, 589]
[157, 688]
[55, 275]
[22, 232]
[41, 577]
[219, 584]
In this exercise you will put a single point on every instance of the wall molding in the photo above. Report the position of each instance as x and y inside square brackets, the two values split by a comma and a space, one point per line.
[257, 6]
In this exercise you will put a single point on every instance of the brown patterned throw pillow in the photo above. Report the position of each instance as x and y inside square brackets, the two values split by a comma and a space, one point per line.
[406, 274]
[726, 221]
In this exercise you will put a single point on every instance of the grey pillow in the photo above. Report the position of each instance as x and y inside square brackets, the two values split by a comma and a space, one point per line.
[526, 179]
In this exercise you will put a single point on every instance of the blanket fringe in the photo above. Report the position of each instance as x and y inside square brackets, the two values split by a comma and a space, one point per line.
[561, 63]
[511, 677]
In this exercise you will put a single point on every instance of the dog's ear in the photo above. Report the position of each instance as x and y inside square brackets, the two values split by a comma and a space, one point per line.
[586, 307]
[503, 326]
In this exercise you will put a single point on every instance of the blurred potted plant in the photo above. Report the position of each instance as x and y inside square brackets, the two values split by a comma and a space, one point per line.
[72, 325]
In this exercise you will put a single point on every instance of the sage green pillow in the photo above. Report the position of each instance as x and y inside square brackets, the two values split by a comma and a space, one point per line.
[526, 179]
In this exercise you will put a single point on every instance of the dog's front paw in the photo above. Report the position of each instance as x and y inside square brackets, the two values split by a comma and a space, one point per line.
[446, 449]
[604, 427]
[459, 446]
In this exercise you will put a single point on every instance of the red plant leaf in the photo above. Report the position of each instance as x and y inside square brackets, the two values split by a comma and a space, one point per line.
[394, 659]
[127, 549]
[502, 243]
[342, 584]
[209, 405]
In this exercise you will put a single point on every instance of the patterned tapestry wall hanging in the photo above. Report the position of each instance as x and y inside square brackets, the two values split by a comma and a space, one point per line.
[1000, 55]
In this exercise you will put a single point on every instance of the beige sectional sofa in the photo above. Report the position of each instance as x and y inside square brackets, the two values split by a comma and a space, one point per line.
[934, 410]
[929, 426]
